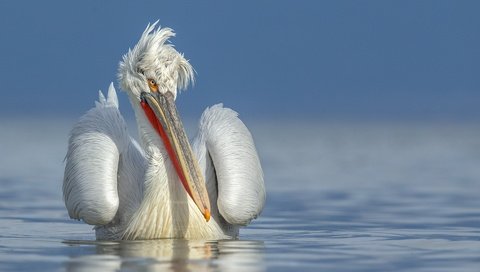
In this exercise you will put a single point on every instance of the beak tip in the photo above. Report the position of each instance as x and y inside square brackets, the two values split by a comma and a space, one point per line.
[206, 214]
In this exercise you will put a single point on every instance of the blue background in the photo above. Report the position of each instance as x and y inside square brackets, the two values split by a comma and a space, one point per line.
[266, 59]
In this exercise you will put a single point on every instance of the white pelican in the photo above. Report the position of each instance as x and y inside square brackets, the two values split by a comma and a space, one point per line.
[162, 188]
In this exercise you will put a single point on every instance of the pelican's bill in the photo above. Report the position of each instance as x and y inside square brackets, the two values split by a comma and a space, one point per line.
[163, 116]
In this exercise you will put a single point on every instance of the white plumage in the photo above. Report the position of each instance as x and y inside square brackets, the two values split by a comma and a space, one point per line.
[132, 191]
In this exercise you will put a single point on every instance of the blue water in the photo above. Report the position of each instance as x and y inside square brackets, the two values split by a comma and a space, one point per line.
[342, 196]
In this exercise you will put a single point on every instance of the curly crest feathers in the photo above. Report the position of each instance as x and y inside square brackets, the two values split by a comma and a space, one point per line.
[154, 57]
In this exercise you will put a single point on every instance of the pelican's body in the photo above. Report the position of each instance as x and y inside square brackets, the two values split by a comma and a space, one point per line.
[162, 187]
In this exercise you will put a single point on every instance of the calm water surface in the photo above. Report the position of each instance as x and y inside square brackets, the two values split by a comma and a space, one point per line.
[341, 197]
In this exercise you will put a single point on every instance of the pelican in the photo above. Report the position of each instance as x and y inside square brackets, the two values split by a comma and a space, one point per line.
[161, 187]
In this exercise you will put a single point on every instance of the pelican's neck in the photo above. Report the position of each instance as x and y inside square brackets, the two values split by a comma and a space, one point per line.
[160, 170]
[164, 197]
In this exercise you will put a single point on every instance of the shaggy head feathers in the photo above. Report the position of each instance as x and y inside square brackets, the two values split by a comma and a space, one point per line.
[154, 58]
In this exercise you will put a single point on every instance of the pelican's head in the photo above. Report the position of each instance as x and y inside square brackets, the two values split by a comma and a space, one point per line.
[154, 65]
[152, 73]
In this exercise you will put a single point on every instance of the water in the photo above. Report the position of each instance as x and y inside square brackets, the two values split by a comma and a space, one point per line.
[341, 197]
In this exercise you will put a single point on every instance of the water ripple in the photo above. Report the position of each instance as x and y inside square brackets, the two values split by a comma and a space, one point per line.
[355, 198]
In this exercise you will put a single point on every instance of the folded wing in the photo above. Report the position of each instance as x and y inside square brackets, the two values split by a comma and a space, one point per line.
[102, 162]
[225, 140]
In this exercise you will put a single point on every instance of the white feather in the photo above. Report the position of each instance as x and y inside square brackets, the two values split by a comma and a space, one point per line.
[90, 182]
[232, 150]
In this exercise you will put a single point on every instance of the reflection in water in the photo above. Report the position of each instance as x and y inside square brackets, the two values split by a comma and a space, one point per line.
[340, 198]
[172, 254]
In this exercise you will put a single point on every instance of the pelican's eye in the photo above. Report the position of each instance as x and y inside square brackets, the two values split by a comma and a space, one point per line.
[152, 85]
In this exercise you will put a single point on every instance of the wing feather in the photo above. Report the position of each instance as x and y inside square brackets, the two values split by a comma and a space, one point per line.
[95, 146]
[241, 189]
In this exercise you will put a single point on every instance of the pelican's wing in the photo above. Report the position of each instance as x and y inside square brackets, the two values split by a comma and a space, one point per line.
[102, 164]
[225, 144]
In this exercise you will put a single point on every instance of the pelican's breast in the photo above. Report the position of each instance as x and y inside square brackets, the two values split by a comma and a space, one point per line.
[167, 211]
